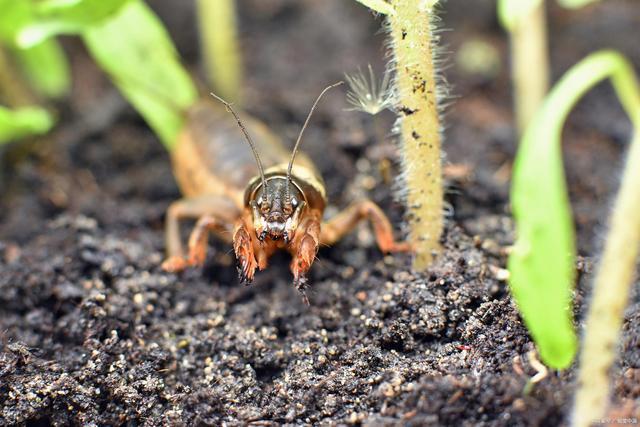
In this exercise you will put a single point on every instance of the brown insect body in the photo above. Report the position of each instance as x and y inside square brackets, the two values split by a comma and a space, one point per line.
[212, 157]
[224, 190]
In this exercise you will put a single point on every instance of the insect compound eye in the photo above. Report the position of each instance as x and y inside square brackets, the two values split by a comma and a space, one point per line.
[288, 209]
[263, 203]
[290, 206]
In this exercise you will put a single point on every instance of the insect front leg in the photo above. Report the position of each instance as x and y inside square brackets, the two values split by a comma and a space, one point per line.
[346, 221]
[214, 213]
[244, 244]
[304, 249]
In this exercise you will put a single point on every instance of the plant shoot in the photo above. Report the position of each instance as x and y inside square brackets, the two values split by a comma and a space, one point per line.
[542, 261]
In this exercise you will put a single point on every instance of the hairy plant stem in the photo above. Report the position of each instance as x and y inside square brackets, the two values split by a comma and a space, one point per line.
[219, 41]
[412, 41]
[530, 64]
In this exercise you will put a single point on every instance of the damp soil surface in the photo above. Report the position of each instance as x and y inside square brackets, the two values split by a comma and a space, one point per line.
[92, 332]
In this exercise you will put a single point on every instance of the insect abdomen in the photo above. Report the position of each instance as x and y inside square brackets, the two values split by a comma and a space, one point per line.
[212, 157]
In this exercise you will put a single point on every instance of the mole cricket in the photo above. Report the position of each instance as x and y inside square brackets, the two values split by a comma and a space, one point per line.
[272, 201]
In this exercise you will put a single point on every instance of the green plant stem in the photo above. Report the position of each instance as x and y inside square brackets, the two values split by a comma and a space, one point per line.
[219, 40]
[530, 64]
[13, 90]
[617, 267]
[412, 43]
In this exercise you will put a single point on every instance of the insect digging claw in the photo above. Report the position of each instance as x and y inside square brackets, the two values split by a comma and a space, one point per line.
[244, 273]
[301, 283]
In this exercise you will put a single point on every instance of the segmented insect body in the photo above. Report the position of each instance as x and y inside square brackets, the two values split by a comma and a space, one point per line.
[261, 201]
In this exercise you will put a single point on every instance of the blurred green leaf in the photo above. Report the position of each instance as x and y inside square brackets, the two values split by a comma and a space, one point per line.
[136, 51]
[542, 261]
[53, 17]
[44, 63]
[15, 15]
[16, 124]
[46, 68]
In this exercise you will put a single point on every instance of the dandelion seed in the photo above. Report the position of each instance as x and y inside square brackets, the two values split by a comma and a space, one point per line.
[366, 94]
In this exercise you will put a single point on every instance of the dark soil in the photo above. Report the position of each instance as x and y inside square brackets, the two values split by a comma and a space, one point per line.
[94, 333]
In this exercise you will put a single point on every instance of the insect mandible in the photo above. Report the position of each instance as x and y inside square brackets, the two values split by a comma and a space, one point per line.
[272, 201]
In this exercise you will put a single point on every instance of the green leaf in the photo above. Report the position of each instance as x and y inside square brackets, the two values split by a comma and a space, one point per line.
[542, 261]
[53, 17]
[136, 51]
[379, 6]
[46, 68]
[15, 15]
[16, 124]
[511, 12]
[44, 63]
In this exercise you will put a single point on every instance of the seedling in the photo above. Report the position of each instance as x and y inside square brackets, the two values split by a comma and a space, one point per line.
[542, 262]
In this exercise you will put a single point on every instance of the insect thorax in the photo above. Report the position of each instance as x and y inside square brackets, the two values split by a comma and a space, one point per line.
[308, 185]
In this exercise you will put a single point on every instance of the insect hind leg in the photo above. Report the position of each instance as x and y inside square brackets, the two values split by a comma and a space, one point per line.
[343, 223]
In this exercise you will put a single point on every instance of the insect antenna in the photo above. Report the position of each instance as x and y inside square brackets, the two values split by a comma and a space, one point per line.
[248, 138]
[295, 147]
